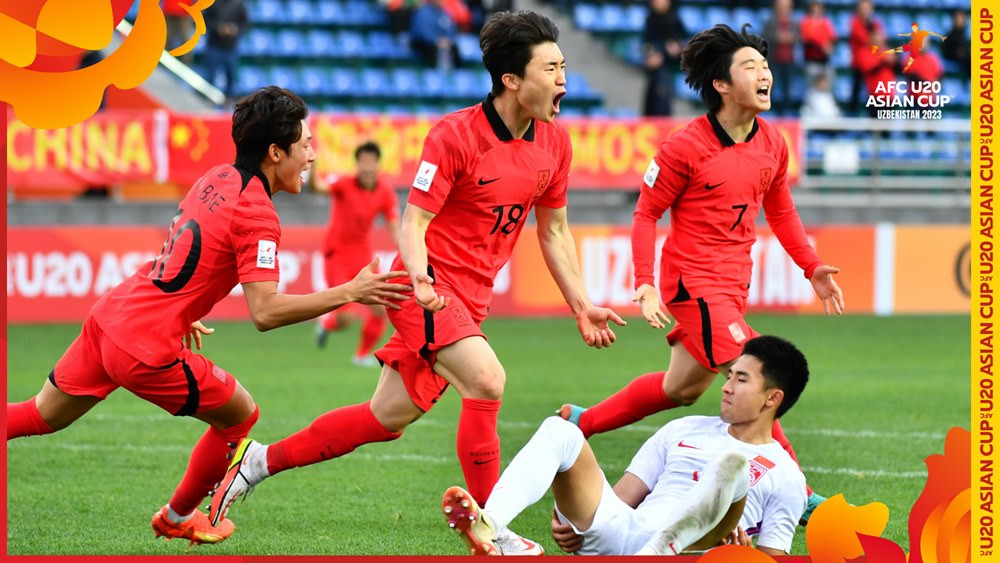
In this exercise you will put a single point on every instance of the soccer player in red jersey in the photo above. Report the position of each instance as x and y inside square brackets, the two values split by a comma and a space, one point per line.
[225, 231]
[354, 203]
[482, 170]
[714, 176]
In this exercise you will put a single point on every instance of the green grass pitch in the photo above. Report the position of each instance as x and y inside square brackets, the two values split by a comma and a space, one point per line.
[883, 393]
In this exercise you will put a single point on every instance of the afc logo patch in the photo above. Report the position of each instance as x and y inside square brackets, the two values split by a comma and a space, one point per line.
[758, 468]
[219, 373]
[765, 179]
[460, 314]
[543, 181]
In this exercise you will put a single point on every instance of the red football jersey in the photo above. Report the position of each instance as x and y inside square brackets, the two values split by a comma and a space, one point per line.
[714, 189]
[482, 183]
[352, 213]
[225, 232]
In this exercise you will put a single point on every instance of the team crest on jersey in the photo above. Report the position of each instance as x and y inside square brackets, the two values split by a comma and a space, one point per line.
[765, 179]
[543, 180]
[759, 466]
[266, 250]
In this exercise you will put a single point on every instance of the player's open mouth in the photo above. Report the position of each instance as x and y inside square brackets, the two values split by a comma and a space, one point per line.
[764, 93]
[556, 100]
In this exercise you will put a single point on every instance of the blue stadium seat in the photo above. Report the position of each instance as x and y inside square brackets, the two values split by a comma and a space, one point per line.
[375, 82]
[352, 44]
[382, 45]
[321, 44]
[717, 14]
[466, 84]
[841, 57]
[343, 82]
[468, 48]
[435, 84]
[683, 90]
[612, 18]
[285, 77]
[329, 12]
[692, 17]
[250, 78]
[256, 43]
[300, 12]
[405, 83]
[290, 43]
[586, 16]
[397, 109]
[315, 81]
[746, 15]
[267, 11]
[635, 18]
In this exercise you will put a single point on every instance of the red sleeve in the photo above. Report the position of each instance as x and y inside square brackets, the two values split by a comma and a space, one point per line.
[779, 209]
[665, 179]
[440, 164]
[555, 194]
[255, 234]
[337, 187]
[390, 203]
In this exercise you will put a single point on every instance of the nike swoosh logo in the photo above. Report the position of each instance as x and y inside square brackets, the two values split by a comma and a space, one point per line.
[681, 444]
[480, 462]
[713, 186]
[484, 182]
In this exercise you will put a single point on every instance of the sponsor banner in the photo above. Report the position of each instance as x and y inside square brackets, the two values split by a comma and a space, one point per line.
[57, 273]
[109, 148]
[119, 146]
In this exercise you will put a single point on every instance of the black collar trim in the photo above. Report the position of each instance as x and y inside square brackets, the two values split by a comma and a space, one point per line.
[499, 127]
[724, 137]
[247, 175]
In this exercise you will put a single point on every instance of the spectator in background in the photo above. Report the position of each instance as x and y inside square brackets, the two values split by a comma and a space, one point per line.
[400, 13]
[663, 41]
[863, 28]
[782, 36]
[481, 10]
[433, 34]
[956, 46]
[877, 66]
[818, 40]
[819, 101]
[225, 21]
[180, 26]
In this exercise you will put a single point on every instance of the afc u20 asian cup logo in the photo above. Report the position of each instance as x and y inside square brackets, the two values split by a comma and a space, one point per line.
[907, 99]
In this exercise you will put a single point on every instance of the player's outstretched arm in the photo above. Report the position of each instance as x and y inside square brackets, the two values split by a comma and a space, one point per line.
[827, 290]
[413, 252]
[559, 251]
[270, 309]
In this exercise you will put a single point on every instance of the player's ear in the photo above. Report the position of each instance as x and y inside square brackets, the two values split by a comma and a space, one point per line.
[721, 86]
[274, 153]
[774, 397]
[511, 81]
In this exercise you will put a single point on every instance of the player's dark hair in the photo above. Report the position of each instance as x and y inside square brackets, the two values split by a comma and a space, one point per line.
[369, 146]
[709, 55]
[269, 115]
[507, 39]
[783, 366]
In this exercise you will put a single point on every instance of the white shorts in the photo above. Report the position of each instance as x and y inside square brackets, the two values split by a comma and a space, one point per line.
[615, 531]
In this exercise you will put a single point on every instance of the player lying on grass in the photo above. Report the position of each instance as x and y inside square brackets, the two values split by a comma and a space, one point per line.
[226, 231]
[687, 488]
[714, 175]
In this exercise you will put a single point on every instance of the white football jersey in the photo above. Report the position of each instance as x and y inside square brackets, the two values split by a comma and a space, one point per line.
[670, 460]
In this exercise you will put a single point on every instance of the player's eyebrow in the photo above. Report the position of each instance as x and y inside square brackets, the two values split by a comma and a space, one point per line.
[557, 63]
[762, 59]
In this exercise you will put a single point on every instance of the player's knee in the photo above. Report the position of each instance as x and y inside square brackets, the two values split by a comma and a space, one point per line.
[487, 382]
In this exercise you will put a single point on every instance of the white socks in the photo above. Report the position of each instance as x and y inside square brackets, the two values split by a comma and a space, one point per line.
[177, 518]
[553, 449]
[255, 464]
[724, 482]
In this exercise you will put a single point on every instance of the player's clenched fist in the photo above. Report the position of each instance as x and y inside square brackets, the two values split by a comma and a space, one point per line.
[372, 288]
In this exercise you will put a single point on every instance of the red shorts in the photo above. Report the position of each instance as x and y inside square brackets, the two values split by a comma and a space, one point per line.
[340, 266]
[412, 349]
[94, 366]
[711, 328]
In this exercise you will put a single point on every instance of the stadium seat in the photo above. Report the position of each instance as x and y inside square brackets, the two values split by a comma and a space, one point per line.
[611, 18]
[465, 84]
[300, 12]
[635, 18]
[717, 14]
[342, 82]
[290, 43]
[256, 43]
[267, 11]
[315, 81]
[434, 83]
[322, 44]
[468, 48]
[375, 83]
[405, 83]
[249, 78]
[286, 77]
[352, 44]
[692, 17]
[329, 12]
[586, 16]
[382, 45]
[746, 15]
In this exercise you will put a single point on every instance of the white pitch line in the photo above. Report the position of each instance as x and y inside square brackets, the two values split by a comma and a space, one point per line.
[419, 458]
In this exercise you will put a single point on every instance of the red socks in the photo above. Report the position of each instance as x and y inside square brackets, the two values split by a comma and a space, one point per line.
[640, 398]
[23, 419]
[478, 446]
[208, 464]
[779, 435]
[333, 434]
[371, 330]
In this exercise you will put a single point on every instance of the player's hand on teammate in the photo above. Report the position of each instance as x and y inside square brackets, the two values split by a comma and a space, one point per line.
[423, 292]
[593, 326]
[194, 337]
[373, 288]
[737, 537]
[827, 289]
[648, 299]
[567, 540]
